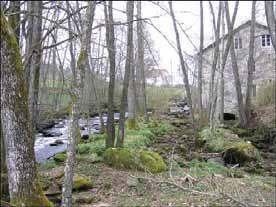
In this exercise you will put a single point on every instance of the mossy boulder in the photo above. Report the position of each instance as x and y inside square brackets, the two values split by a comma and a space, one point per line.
[235, 150]
[81, 182]
[241, 153]
[83, 198]
[60, 157]
[125, 158]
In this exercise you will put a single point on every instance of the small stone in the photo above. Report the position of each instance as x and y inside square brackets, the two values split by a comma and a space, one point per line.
[132, 182]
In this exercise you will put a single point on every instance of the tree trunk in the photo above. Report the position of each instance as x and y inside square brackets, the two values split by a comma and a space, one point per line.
[131, 122]
[129, 60]
[250, 63]
[271, 21]
[33, 57]
[243, 121]
[141, 64]
[212, 88]
[76, 99]
[221, 82]
[110, 39]
[17, 133]
[200, 61]
[182, 63]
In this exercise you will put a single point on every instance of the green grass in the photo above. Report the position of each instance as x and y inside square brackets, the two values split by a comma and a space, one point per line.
[201, 169]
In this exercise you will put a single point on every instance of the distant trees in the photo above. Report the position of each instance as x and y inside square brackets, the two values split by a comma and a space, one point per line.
[16, 128]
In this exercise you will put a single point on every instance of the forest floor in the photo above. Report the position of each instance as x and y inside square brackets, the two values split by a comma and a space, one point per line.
[187, 182]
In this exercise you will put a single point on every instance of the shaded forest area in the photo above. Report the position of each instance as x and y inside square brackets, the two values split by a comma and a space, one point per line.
[89, 118]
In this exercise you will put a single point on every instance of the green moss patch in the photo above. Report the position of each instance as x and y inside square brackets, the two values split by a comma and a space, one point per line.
[125, 158]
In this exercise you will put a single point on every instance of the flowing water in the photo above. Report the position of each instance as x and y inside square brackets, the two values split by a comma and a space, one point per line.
[59, 133]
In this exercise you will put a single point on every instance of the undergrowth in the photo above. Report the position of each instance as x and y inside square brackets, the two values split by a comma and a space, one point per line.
[140, 137]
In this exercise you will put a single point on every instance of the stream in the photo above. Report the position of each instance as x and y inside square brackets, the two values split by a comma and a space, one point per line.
[55, 139]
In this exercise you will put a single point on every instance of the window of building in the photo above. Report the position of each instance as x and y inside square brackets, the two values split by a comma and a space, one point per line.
[238, 43]
[266, 40]
[254, 91]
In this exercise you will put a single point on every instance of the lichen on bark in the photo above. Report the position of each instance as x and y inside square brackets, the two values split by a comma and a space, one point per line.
[24, 187]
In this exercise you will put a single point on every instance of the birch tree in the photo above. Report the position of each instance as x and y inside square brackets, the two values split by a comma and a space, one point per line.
[250, 62]
[110, 41]
[24, 187]
[182, 63]
[76, 99]
[128, 67]
[242, 116]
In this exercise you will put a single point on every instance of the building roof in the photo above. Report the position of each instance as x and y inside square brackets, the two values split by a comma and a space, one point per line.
[242, 26]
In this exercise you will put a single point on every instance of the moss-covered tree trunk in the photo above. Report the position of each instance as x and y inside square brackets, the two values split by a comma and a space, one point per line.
[14, 19]
[129, 59]
[131, 99]
[24, 187]
[76, 100]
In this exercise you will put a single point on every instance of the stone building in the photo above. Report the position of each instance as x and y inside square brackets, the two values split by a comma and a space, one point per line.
[265, 68]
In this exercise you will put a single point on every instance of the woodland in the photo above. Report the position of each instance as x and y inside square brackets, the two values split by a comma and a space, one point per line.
[91, 115]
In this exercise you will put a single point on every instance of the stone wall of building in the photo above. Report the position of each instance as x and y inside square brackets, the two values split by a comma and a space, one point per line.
[264, 64]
